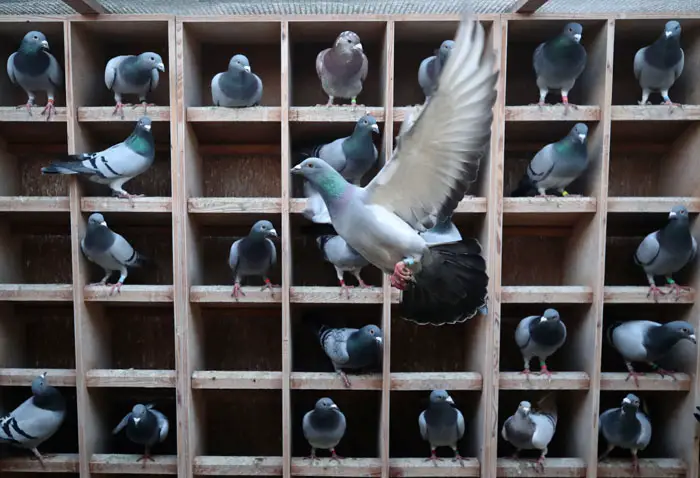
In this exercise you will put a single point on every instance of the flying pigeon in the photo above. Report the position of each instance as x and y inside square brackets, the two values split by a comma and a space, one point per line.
[324, 427]
[647, 341]
[658, 66]
[350, 349]
[109, 250]
[530, 429]
[559, 62]
[144, 426]
[667, 251]
[253, 255]
[344, 258]
[442, 283]
[540, 336]
[430, 68]
[133, 75]
[117, 164]
[342, 68]
[625, 427]
[352, 156]
[238, 86]
[442, 424]
[35, 69]
[557, 165]
[36, 419]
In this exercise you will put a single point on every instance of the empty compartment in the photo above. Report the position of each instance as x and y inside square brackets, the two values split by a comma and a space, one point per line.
[362, 415]
[523, 39]
[308, 39]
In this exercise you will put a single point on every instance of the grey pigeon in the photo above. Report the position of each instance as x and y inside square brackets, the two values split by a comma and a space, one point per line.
[647, 341]
[238, 86]
[658, 66]
[559, 62]
[36, 419]
[667, 251]
[115, 165]
[625, 427]
[430, 68]
[133, 75]
[530, 429]
[540, 336]
[351, 349]
[109, 250]
[352, 156]
[441, 424]
[557, 165]
[35, 69]
[441, 283]
[253, 255]
[342, 68]
[144, 426]
[324, 427]
[344, 258]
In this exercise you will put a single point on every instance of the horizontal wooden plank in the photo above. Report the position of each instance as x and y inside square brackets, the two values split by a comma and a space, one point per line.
[34, 204]
[128, 464]
[638, 295]
[555, 467]
[221, 205]
[419, 467]
[475, 205]
[335, 295]
[103, 114]
[238, 465]
[650, 381]
[568, 294]
[14, 114]
[651, 204]
[654, 113]
[219, 114]
[559, 381]
[22, 377]
[219, 294]
[36, 292]
[369, 467]
[130, 294]
[552, 113]
[337, 114]
[332, 381]
[555, 205]
[130, 378]
[648, 467]
[219, 379]
[136, 205]
[64, 463]
[436, 380]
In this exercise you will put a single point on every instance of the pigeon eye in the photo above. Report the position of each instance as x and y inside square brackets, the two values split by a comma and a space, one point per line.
[309, 165]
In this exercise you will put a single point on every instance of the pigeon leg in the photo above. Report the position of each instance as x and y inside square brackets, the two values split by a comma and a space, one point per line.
[362, 283]
[542, 192]
[28, 105]
[145, 105]
[663, 372]
[104, 279]
[433, 457]
[458, 457]
[606, 452]
[677, 288]
[344, 378]
[654, 291]
[667, 101]
[543, 97]
[539, 464]
[344, 288]
[516, 454]
[526, 368]
[237, 291]
[335, 456]
[313, 456]
[566, 194]
[119, 108]
[39, 457]
[635, 462]
[565, 102]
[268, 285]
[49, 108]
[545, 370]
[329, 103]
[645, 97]
[145, 457]
[633, 374]
[401, 274]
[117, 287]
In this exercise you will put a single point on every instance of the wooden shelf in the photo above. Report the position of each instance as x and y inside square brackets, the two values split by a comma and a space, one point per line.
[211, 114]
[127, 464]
[130, 294]
[475, 205]
[103, 114]
[419, 467]
[332, 381]
[34, 204]
[22, 377]
[406, 381]
[557, 467]
[218, 380]
[63, 463]
[654, 113]
[569, 294]
[559, 381]
[217, 294]
[36, 292]
[337, 114]
[533, 211]
[638, 295]
[130, 378]
[648, 467]
[235, 206]
[335, 295]
[154, 205]
[552, 113]
[347, 467]
[651, 381]
[14, 114]
[238, 465]
[651, 204]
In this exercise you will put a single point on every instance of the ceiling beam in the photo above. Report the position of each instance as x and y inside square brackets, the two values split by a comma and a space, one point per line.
[86, 7]
[526, 6]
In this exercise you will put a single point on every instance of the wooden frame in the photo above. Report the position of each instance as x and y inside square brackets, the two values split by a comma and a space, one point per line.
[218, 170]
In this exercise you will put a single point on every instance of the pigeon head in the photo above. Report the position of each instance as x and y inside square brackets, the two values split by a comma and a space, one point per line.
[579, 132]
[367, 124]
[96, 219]
[630, 404]
[672, 29]
[151, 61]
[238, 63]
[39, 384]
[524, 408]
[325, 405]
[371, 333]
[681, 330]
[573, 31]
[444, 51]
[144, 124]
[138, 413]
[678, 213]
[348, 40]
[320, 174]
[262, 229]
[550, 315]
[440, 396]
[34, 42]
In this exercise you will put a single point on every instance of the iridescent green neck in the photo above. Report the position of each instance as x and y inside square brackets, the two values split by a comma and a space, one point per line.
[140, 142]
[332, 185]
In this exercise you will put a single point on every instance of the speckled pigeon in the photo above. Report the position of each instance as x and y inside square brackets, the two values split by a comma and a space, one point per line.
[540, 336]
[342, 68]
[625, 427]
[133, 75]
[238, 86]
[253, 255]
[530, 429]
[144, 426]
[441, 424]
[658, 66]
[324, 427]
[351, 349]
[344, 258]
[431, 67]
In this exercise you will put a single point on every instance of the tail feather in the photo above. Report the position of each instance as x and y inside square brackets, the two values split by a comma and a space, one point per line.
[525, 188]
[608, 333]
[73, 165]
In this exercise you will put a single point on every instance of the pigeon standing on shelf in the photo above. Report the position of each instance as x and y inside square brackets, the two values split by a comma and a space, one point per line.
[36, 419]
[109, 250]
[352, 156]
[342, 68]
[441, 424]
[344, 258]
[658, 66]
[133, 75]
[117, 164]
[625, 427]
[324, 427]
[431, 67]
[35, 69]
[559, 62]
[144, 426]
[530, 429]
[556, 165]
[667, 251]
[441, 283]
[540, 336]
[351, 349]
[238, 86]
[253, 255]
[647, 341]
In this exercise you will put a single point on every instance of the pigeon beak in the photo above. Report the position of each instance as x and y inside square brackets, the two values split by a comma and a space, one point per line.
[375, 128]
[273, 233]
[296, 169]
[147, 127]
[45, 45]
[577, 37]
[160, 66]
[671, 214]
[358, 47]
[136, 421]
[543, 319]
[626, 400]
[103, 223]
[379, 340]
[526, 409]
[668, 33]
[692, 338]
[247, 68]
[43, 375]
[449, 400]
[334, 406]
[582, 137]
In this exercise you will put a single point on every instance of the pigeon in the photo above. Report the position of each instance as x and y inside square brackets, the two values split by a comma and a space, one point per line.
[131, 74]
[557, 165]
[540, 336]
[647, 341]
[36, 419]
[350, 349]
[144, 426]
[238, 86]
[109, 250]
[665, 252]
[35, 69]
[442, 424]
[352, 156]
[115, 165]
[559, 62]
[625, 427]
[658, 66]
[530, 429]
[253, 255]
[344, 258]
[342, 68]
[441, 283]
[324, 427]
[430, 68]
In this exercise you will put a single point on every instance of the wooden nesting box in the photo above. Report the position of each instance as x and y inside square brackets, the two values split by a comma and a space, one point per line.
[236, 377]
